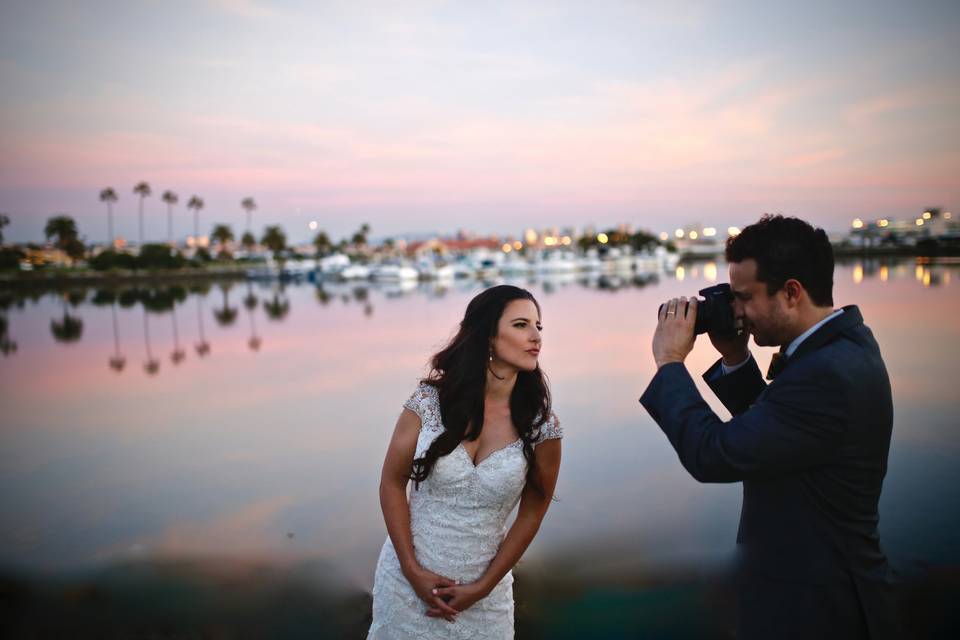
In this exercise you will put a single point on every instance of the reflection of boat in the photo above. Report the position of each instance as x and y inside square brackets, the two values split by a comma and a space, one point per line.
[354, 272]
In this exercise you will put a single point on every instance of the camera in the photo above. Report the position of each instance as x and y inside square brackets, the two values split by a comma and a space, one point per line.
[715, 312]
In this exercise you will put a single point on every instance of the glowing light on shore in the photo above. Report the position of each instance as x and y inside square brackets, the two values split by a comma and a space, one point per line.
[517, 245]
[947, 215]
[857, 223]
[507, 247]
[927, 215]
[694, 235]
[313, 225]
[566, 240]
[530, 236]
[733, 231]
[678, 233]
[549, 241]
[709, 232]
[602, 238]
[919, 222]
[883, 222]
[664, 236]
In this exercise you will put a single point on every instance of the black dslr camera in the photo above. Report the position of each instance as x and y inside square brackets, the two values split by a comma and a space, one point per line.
[715, 312]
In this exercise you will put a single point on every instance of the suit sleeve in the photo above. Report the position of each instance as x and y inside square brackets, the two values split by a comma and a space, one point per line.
[795, 426]
[736, 390]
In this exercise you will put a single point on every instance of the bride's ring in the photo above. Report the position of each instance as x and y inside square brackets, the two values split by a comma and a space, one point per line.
[671, 313]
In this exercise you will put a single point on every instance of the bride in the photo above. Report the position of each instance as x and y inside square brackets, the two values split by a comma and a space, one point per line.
[476, 437]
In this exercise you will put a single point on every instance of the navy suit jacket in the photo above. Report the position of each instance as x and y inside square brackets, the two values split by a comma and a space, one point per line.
[811, 451]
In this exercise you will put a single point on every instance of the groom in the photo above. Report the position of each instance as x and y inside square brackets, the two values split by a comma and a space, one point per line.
[810, 448]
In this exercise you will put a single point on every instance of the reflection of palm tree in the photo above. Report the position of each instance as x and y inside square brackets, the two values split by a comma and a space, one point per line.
[152, 365]
[277, 308]
[226, 315]
[67, 330]
[178, 354]
[322, 296]
[250, 303]
[202, 347]
[7, 346]
[117, 362]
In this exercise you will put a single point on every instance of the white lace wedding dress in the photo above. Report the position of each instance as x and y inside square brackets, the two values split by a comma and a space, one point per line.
[458, 519]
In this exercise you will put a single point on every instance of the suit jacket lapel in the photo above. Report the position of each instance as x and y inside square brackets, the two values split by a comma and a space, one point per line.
[850, 318]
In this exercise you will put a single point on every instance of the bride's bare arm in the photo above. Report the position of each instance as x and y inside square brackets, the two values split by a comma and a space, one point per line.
[533, 506]
[396, 512]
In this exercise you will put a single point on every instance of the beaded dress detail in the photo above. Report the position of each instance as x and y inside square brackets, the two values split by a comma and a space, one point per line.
[458, 520]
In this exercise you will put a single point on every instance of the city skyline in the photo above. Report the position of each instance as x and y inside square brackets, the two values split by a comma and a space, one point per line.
[433, 116]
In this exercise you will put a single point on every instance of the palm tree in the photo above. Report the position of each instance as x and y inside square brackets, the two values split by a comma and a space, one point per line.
[360, 237]
[274, 239]
[196, 203]
[65, 229]
[248, 241]
[171, 199]
[4, 221]
[223, 234]
[322, 243]
[249, 206]
[143, 190]
[109, 196]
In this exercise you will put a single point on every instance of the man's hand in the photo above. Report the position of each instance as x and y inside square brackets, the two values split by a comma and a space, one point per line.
[733, 349]
[674, 337]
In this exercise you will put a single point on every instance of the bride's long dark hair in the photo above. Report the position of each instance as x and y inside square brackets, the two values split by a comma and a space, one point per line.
[459, 373]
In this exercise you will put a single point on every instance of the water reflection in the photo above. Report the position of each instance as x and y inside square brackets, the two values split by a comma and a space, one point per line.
[115, 471]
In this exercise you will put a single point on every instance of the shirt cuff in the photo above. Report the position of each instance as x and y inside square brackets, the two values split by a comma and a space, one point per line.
[725, 370]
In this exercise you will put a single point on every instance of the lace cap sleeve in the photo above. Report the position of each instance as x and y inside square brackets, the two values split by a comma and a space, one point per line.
[424, 402]
[550, 429]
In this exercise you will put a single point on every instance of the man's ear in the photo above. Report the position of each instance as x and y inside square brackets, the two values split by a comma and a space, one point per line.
[793, 291]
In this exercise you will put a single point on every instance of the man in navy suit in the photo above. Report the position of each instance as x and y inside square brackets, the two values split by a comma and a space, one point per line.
[810, 448]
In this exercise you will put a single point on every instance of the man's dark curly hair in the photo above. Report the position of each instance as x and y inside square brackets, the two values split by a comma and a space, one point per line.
[786, 248]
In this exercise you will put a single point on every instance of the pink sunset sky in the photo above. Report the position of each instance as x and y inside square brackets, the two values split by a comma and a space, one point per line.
[434, 116]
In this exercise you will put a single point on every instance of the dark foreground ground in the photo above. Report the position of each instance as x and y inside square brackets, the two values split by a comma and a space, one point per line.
[224, 599]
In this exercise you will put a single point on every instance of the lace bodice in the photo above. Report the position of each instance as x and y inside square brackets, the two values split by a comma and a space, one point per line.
[458, 519]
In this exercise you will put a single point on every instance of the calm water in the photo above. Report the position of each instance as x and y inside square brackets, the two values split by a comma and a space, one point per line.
[263, 436]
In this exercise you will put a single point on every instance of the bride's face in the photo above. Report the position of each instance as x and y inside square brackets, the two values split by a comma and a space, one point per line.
[517, 343]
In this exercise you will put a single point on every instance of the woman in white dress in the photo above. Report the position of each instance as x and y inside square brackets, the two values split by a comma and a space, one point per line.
[476, 437]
